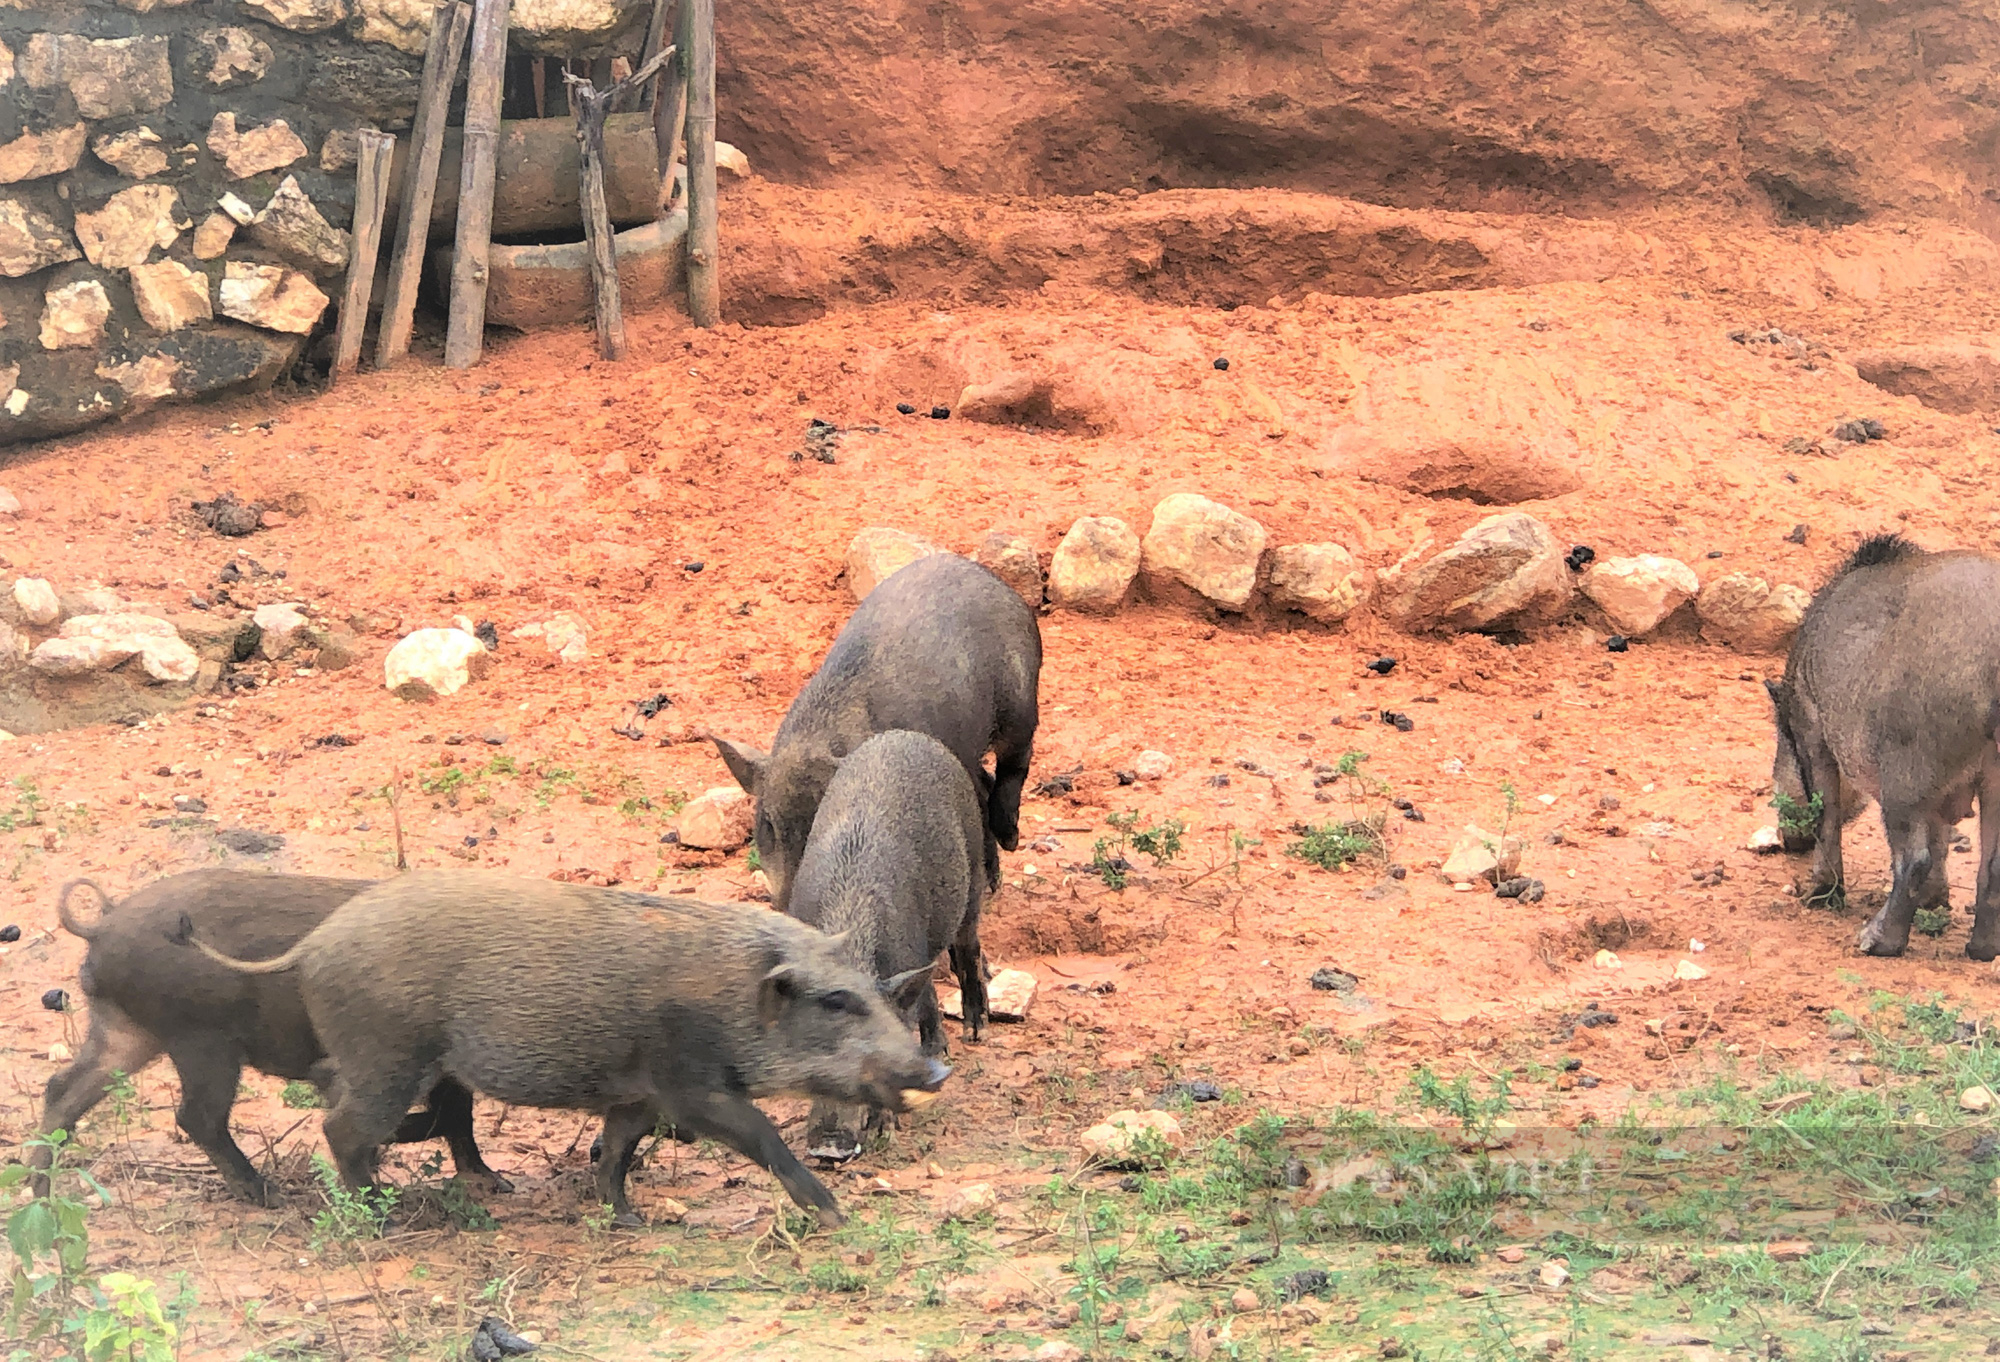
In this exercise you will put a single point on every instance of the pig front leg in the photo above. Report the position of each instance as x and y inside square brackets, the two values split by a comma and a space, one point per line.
[735, 1121]
[1984, 943]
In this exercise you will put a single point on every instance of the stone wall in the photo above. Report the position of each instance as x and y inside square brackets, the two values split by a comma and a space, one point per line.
[177, 183]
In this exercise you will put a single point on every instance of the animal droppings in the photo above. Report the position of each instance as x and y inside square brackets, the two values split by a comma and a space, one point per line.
[1222, 364]
[905, 409]
[1402, 723]
[56, 1000]
[1617, 643]
[1382, 666]
[1327, 979]
[940, 413]
[1579, 557]
[10, 933]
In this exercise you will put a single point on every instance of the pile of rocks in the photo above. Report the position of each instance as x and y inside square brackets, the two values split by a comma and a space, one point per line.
[1507, 572]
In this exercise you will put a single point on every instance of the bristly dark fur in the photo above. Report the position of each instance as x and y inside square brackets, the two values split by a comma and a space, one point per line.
[1878, 549]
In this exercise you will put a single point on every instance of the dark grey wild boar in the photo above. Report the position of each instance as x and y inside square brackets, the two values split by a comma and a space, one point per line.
[147, 998]
[941, 647]
[1892, 692]
[652, 1011]
[895, 871]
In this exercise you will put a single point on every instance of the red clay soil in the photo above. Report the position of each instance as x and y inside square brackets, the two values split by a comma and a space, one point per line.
[545, 480]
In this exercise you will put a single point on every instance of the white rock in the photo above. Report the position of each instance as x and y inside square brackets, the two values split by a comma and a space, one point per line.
[301, 16]
[1478, 855]
[9, 503]
[77, 656]
[1767, 839]
[1121, 1135]
[878, 551]
[73, 316]
[434, 662]
[1151, 765]
[970, 1201]
[1749, 614]
[170, 295]
[283, 627]
[1689, 970]
[1636, 594]
[37, 600]
[1320, 581]
[271, 296]
[1094, 565]
[719, 820]
[168, 659]
[1009, 995]
[1205, 547]
[1976, 1099]
[1057, 1350]
[132, 222]
[117, 627]
[1607, 960]
[567, 636]
[1554, 1273]
[1507, 571]
[730, 159]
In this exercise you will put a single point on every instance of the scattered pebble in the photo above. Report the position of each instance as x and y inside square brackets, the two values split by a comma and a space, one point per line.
[695, 566]
[1593, 1017]
[1221, 363]
[1152, 765]
[1554, 1273]
[971, 1201]
[1327, 979]
[1617, 643]
[56, 1000]
[1219, 781]
[905, 409]
[1767, 839]
[1696, 945]
[1797, 535]
[1195, 1090]
[1382, 666]
[1116, 1139]
[940, 413]
[1972, 1099]
[489, 634]
[1243, 1300]
[10, 933]
[1402, 723]
[1689, 970]
[1520, 887]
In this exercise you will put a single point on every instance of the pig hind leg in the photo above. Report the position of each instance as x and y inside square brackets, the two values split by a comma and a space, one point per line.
[372, 1102]
[448, 1116]
[1013, 749]
[114, 1045]
[1984, 943]
[1917, 843]
[624, 1127]
[209, 1069]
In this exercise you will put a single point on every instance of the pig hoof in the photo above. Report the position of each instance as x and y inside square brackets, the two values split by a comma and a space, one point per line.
[1976, 949]
[834, 1151]
[491, 1180]
[628, 1220]
[1875, 940]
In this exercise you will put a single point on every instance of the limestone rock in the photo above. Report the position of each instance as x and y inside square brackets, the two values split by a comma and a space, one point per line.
[567, 636]
[1976, 1099]
[31, 240]
[133, 221]
[282, 628]
[1205, 547]
[271, 296]
[108, 77]
[212, 238]
[1321, 581]
[1124, 1136]
[551, 27]
[1012, 559]
[116, 626]
[402, 24]
[146, 379]
[168, 659]
[243, 154]
[37, 600]
[301, 16]
[1766, 840]
[719, 820]
[73, 316]
[94, 600]
[292, 226]
[170, 295]
[101, 642]
[138, 154]
[1000, 400]
[434, 662]
[64, 657]
[1151, 765]
[1636, 594]
[13, 647]
[1957, 378]
[231, 56]
[341, 150]
[1009, 995]
[1094, 565]
[877, 552]
[1507, 571]
[10, 505]
[35, 154]
[1749, 614]
[1478, 855]
[732, 160]
[970, 1201]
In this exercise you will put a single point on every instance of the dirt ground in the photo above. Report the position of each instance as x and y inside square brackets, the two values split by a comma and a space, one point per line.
[546, 480]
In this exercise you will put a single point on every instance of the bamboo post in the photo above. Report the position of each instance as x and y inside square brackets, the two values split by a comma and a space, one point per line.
[413, 229]
[371, 202]
[466, 336]
[592, 105]
[656, 38]
[704, 283]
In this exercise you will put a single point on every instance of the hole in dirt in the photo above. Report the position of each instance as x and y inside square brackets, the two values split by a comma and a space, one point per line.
[1252, 262]
[1795, 203]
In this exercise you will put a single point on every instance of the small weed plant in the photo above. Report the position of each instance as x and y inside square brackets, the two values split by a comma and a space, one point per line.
[1159, 841]
[1797, 819]
[300, 1096]
[349, 1216]
[1343, 841]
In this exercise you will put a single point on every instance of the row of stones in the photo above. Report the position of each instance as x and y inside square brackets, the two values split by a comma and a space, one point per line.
[95, 630]
[1506, 572]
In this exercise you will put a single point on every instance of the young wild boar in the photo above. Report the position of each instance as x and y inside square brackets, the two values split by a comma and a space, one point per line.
[1892, 692]
[652, 1011]
[146, 997]
[894, 870]
[941, 647]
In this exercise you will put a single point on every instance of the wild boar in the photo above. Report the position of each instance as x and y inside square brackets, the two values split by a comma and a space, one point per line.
[1892, 692]
[146, 998]
[941, 647]
[652, 1011]
[894, 870]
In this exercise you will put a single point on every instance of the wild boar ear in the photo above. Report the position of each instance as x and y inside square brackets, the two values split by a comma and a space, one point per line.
[745, 762]
[776, 991]
[839, 941]
[903, 991]
[1774, 689]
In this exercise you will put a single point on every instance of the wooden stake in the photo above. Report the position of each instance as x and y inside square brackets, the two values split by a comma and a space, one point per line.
[371, 202]
[592, 105]
[541, 78]
[704, 281]
[413, 230]
[466, 336]
[670, 124]
[656, 38]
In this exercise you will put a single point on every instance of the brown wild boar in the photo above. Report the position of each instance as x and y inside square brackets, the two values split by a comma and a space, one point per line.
[652, 1011]
[147, 998]
[1892, 692]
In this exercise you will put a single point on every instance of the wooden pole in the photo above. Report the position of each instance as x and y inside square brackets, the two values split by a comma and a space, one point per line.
[406, 266]
[670, 125]
[466, 336]
[656, 38]
[371, 203]
[591, 107]
[704, 281]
